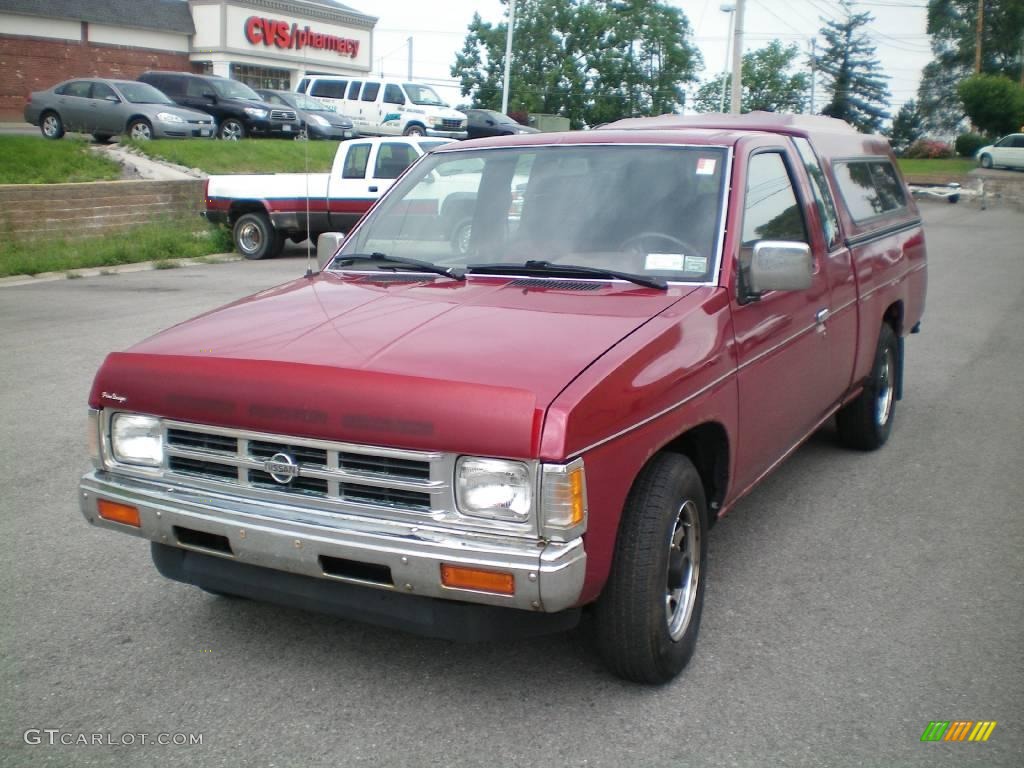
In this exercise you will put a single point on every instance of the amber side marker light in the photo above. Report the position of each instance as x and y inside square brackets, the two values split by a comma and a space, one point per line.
[119, 513]
[458, 577]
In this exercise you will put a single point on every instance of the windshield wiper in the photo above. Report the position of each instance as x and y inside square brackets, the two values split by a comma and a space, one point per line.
[401, 261]
[535, 266]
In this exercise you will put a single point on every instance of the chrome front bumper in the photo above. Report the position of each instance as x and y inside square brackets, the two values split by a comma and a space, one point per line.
[548, 576]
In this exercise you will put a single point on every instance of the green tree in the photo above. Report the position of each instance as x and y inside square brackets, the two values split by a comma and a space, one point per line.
[858, 94]
[953, 27]
[767, 84]
[937, 99]
[906, 127]
[993, 102]
[590, 60]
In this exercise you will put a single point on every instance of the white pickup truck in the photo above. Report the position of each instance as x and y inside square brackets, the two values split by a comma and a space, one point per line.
[265, 209]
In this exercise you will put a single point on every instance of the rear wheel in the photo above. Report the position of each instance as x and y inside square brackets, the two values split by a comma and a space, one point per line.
[51, 126]
[461, 234]
[140, 130]
[648, 616]
[865, 423]
[256, 238]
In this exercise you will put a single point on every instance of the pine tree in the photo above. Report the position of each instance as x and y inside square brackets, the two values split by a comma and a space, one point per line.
[859, 95]
[906, 128]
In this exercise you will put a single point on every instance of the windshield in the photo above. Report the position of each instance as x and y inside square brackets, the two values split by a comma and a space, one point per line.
[308, 103]
[646, 210]
[232, 89]
[423, 94]
[498, 117]
[141, 93]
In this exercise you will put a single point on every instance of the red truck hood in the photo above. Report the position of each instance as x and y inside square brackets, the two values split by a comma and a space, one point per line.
[460, 366]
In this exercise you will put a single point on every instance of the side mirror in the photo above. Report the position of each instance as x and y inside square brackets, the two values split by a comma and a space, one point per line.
[778, 265]
[210, 97]
[326, 246]
[112, 98]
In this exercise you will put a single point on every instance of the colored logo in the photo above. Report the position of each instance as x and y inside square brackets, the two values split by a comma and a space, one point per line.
[958, 730]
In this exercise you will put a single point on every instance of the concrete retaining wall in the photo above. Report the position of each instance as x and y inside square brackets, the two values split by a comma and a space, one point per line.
[36, 210]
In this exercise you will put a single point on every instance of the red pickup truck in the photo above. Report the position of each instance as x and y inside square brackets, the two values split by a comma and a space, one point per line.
[489, 437]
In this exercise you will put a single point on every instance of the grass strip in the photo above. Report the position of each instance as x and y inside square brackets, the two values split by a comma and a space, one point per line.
[245, 156]
[953, 166]
[159, 241]
[34, 160]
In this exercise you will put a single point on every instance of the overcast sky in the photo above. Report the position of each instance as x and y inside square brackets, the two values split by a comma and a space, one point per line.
[438, 29]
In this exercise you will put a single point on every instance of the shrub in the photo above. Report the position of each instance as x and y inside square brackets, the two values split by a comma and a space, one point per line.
[929, 149]
[969, 143]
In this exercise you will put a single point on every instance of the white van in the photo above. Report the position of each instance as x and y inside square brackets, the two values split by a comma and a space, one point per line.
[386, 107]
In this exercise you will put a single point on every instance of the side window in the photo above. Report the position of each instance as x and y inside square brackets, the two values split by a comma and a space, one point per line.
[869, 187]
[392, 159]
[1006, 142]
[303, 85]
[79, 88]
[370, 91]
[822, 195]
[355, 162]
[1018, 141]
[197, 88]
[353, 89]
[771, 209]
[172, 86]
[329, 89]
[102, 91]
[393, 94]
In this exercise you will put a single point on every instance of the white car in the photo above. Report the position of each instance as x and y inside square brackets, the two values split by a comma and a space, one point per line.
[1008, 152]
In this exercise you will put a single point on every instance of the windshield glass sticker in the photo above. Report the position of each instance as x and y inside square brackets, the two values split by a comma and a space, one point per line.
[672, 261]
[705, 166]
[695, 264]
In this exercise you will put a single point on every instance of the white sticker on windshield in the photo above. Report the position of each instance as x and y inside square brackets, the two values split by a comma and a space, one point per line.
[705, 166]
[670, 261]
[695, 264]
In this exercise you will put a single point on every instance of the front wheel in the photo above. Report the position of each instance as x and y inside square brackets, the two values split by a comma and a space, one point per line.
[256, 238]
[648, 616]
[415, 130]
[986, 161]
[231, 130]
[51, 126]
[140, 130]
[865, 423]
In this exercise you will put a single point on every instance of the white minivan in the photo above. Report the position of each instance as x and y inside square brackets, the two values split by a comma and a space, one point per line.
[386, 107]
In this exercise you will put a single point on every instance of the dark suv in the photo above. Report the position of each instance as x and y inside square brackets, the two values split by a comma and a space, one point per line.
[236, 107]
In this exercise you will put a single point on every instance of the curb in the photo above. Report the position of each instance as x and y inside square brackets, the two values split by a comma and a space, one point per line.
[141, 266]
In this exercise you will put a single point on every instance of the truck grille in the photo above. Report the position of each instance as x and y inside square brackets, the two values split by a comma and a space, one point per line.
[452, 124]
[336, 473]
[285, 115]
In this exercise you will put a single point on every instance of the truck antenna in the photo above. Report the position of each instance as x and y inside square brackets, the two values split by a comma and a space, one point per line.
[305, 151]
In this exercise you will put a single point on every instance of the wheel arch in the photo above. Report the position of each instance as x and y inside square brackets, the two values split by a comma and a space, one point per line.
[241, 207]
[135, 117]
[707, 446]
[893, 316]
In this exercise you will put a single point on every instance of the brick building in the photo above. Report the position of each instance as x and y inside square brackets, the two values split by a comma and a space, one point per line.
[265, 43]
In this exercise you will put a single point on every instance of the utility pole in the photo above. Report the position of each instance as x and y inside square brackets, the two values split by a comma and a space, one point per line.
[814, 64]
[508, 55]
[977, 37]
[731, 10]
[737, 59]
[410, 58]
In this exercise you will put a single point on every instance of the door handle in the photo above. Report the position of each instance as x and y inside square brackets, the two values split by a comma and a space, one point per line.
[373, 188]
[822, 315]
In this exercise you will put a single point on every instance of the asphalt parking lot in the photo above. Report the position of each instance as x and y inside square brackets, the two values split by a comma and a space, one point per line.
[852, 598]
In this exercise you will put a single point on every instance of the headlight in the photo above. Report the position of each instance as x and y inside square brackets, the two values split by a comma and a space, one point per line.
[136, 440]
[493, 488]
[256, 112]
[563, 507]
[167, 117]
[318, 120]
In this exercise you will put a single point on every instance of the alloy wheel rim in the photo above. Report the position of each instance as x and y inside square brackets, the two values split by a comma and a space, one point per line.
[250, 238]
[230, 132]
[141, 131]
[50, 125]
[683, 574]
[886, 390]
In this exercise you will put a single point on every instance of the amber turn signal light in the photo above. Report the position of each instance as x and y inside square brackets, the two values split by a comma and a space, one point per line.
[119, 513]
[458, 577]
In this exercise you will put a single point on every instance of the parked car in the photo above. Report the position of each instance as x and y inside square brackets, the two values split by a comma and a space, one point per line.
[265, 209]
[383, 107]
[106, 108]
[481, 123]
[318, 121]
[486, 442]
[236, 107]
[1008, 152]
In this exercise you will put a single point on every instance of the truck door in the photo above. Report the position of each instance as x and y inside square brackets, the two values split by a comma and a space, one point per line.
[783, 356]
[350, 193]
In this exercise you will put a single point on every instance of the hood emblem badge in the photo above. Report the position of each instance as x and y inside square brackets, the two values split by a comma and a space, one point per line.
[113, 396]
[282, 468]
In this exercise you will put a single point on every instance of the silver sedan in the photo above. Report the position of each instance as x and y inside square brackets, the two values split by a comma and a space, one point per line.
[106, 108]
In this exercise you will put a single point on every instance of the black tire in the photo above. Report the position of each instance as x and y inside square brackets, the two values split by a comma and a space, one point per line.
[986, 161]
[415, 130]
[256, 238]
[140, 130]
[101, 138]
[460, 236]
[641, 634]
[51, 126]
[866, 423]
[231, 130]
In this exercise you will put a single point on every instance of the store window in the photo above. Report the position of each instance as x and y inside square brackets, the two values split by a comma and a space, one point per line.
[262, 77]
